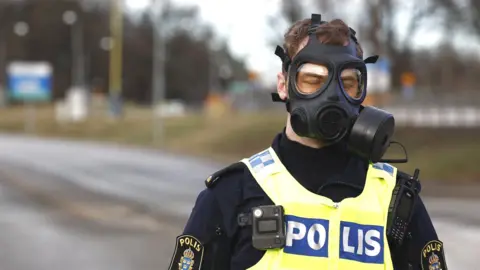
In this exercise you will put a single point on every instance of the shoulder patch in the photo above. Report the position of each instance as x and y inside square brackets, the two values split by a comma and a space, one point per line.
[188, 254]
[433, 257]
[261, 160]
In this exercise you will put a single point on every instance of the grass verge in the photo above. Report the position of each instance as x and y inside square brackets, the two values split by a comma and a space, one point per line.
[450, 155]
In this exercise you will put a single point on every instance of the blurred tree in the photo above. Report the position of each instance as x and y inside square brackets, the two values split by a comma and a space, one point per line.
[290, 12]
[188, 63]
[188, 47]
[231, 68]
[5, 26]
[47, 37]
[378, 32]
[474, 9]
[463, 15]
[378, 28]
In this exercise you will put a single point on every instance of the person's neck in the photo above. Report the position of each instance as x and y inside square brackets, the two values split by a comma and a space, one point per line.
[291, 135]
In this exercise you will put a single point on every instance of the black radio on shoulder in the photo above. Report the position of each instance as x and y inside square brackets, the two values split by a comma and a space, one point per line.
[268, 224]
[401, 208]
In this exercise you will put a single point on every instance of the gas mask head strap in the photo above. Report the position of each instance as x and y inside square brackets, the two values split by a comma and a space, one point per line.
[282, 53]
[286, 61]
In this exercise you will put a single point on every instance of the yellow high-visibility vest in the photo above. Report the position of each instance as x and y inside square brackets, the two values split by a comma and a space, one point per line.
[322, 234]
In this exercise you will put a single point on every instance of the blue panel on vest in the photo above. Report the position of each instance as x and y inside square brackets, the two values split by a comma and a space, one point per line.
[255, 162]
[268, 162]
[261, 154]
[362, 243]
[261, 160]
[306, 236]
[255, 156]
[384, 167]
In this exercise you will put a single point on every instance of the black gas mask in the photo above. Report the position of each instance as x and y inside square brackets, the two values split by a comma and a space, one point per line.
[326, 87]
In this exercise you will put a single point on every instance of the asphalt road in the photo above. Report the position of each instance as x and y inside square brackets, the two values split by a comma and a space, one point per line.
[66, 205]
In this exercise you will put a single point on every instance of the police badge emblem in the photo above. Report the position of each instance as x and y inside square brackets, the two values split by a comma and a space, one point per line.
[188, 254]
[433, 257]
[186, 261]
[434, 262]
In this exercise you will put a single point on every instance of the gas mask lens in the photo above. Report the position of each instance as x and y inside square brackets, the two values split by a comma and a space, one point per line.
[352, 82]
[311, 78]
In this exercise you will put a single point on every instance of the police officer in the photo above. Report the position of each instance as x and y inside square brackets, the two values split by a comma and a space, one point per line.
[318, 198]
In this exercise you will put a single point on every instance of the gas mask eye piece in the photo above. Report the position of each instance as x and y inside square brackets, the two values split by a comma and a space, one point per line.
[352, 81]
[311, 78]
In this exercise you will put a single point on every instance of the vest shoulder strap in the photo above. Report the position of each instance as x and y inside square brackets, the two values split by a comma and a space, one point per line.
[217, 176]
[387, 171]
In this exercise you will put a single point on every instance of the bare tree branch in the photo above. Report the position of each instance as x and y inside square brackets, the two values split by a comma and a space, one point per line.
[465, 16]
[420, 14]
[292, 10]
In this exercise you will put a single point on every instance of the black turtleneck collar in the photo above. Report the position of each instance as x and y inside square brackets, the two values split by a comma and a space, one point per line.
[317, 169]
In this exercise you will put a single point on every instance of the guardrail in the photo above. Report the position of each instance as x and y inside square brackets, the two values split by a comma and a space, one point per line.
[431, 98]
[445, 111]
[457, 117]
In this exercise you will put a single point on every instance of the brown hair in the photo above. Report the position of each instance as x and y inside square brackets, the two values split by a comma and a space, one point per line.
[335, 32]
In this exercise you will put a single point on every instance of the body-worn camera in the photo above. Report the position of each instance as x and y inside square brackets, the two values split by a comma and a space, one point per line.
[268, 224]
[401, 208]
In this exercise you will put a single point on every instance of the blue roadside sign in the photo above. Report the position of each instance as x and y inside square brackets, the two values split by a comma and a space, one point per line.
[30, 81]
[379, 76]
